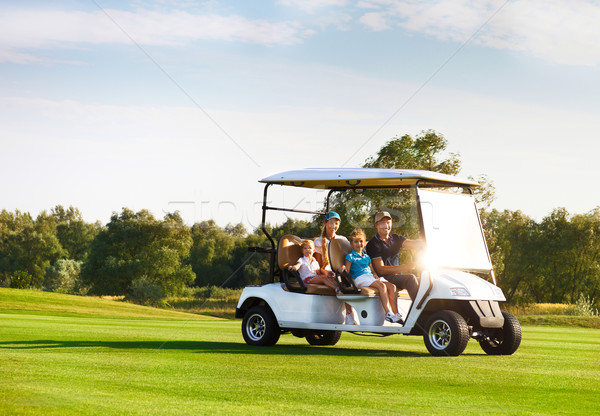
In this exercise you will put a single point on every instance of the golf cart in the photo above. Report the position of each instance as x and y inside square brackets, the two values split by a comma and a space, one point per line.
[452, 305]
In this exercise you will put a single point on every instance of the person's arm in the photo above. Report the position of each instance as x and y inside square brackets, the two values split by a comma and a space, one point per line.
[317, 255]
[382, 269]
[345, 267]
[413, 244]
[373, 270]
[319, 270]
[295, 266]
[319, 258]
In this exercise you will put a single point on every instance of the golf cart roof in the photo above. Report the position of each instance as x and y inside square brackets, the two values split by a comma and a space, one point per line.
[350, 178]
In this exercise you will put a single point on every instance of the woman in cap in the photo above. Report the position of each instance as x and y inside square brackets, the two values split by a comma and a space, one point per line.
[328, 233]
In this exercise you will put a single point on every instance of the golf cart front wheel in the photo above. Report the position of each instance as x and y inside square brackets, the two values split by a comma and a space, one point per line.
[504, 341]
[446, 334]
[259, 327]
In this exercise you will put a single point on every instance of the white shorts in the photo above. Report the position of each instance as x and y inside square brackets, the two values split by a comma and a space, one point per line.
[366, 280]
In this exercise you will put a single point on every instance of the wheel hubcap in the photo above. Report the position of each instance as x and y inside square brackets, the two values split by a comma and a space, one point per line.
[440, 334]
[255, 327]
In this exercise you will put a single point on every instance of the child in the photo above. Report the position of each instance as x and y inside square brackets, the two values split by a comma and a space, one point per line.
[309, 269]
[359, 265]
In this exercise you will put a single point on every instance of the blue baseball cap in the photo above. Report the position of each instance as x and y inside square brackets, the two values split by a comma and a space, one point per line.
[331, 215]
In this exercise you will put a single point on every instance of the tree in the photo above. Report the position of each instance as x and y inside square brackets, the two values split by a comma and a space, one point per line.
[569, 255]
[137, 246]
[237, 230]
[211, 253]
[511, 242]
[27, 245]
[425, 152]
[73, 233]
[554, 261]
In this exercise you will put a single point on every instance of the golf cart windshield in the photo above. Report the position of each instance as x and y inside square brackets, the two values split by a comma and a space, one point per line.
[453, 232]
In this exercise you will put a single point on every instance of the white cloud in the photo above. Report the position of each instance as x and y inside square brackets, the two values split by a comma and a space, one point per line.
[375, 21]
[311, 6]
[556, 30]
[30, 29]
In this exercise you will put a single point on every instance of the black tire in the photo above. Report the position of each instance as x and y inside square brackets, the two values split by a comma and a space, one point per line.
[446, 334]
[504, 341]
[259, 327]
[323, 337]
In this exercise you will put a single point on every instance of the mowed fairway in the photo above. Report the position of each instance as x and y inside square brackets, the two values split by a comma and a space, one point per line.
[74, 363]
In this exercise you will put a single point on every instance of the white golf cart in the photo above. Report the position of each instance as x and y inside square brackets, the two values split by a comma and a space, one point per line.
[452, 305]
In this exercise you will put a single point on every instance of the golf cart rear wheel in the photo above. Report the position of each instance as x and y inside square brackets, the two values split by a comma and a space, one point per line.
[323, 337]
[446, 334]
[504, 341]
[259, 327]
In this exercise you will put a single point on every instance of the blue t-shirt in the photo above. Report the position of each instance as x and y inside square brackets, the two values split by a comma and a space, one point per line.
[359, 265]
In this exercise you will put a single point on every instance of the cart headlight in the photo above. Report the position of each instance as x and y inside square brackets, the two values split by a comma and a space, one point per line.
[498, 292]
[459, 291]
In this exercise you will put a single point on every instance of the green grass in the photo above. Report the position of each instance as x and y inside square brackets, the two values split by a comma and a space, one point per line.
[34, 301]
[67, 363]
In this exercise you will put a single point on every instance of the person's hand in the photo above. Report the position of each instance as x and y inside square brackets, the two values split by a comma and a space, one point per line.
[410, 266]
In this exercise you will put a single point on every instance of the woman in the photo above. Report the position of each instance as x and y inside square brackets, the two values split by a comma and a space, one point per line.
[328, 233]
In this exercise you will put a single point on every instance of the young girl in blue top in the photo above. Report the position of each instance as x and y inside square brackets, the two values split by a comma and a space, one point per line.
[358, 264]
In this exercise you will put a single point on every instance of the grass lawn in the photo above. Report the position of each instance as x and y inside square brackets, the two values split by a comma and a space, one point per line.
[65, 362]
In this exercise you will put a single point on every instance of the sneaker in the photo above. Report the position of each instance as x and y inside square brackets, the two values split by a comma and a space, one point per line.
[350, 319]
[390, 317]
[400, 319]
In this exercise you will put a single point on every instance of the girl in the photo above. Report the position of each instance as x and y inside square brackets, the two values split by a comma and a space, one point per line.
[328, 233]
[309, 269]
[359, 265]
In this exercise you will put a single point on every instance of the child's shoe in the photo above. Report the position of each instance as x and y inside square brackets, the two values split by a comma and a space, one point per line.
[400, 319]
[390, 317]
[350, 319]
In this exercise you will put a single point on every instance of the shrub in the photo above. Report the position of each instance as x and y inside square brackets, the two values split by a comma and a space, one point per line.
[20, 280]
[4, 280]
[585, 306]
[63, 276]
[145, 292]
[218, 293]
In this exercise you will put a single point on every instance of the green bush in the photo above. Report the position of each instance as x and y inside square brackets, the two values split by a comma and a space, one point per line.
[4, 280]
[218, 293]
[585, 306]
[63, 276]
[20, 280]
[145, 292]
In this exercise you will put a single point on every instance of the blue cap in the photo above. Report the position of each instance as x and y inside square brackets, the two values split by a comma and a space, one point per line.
[331, 215]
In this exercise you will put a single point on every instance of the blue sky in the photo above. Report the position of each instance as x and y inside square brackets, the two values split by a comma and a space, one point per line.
[186, 104]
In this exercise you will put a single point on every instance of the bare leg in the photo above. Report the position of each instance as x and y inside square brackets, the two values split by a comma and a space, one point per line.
[391, 289]
[383, 296]
[321, 280]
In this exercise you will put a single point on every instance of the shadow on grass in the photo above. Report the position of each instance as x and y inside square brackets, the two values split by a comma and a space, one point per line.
[210, 347]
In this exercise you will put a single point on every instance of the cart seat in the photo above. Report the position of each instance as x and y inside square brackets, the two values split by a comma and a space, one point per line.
[289, 250]
[313, 289]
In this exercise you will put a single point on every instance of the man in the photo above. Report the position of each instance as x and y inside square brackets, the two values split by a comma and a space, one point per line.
[384, 248]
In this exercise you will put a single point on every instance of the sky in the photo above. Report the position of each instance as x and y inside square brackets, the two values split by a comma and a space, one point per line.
[184, 105]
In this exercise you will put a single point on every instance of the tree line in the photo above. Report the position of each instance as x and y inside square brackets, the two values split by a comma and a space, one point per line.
[555, 260]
